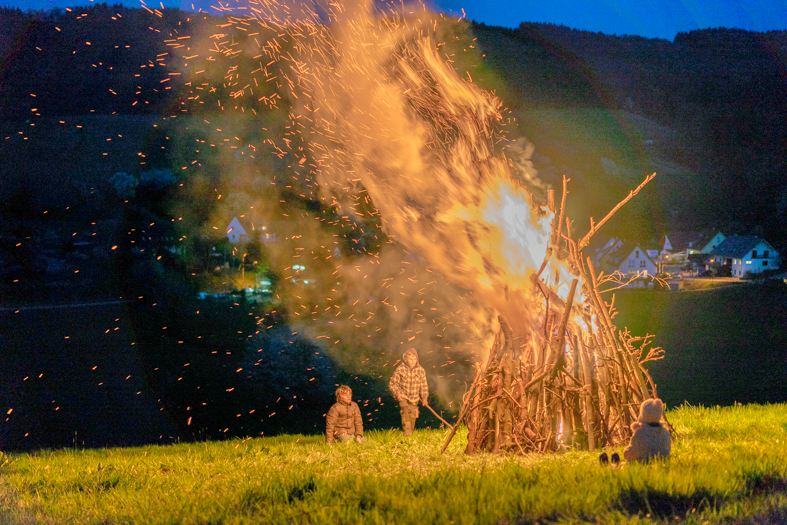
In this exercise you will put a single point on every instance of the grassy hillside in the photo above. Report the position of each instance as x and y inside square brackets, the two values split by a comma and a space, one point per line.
[727, 466]
[73, 157]
[723, 345]
[726, 119]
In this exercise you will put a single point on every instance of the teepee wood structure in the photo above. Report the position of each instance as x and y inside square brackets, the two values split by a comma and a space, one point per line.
[581, 388]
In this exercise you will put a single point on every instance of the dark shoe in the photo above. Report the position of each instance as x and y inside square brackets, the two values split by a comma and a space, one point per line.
[604, 459]
[615, 459]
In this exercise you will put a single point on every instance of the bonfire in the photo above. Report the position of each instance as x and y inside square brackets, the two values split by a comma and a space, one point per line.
[376, 107]
[564, 384]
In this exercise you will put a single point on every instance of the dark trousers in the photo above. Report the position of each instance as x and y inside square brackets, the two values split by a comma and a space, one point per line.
[409, 413]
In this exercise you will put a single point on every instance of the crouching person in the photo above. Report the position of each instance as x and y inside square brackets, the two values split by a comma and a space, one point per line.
[344, 422]
[408, 385]
[650, 440]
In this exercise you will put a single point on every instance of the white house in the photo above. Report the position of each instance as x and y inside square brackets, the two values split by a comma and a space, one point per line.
[745, 254]
[236, 232]
[629, 259]
[667, 247]
[681, 247]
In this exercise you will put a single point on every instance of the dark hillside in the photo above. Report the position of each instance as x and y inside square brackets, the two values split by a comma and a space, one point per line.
[95, 59]
[72, 157]
[536, 72]
[721, 94]
[713, 102]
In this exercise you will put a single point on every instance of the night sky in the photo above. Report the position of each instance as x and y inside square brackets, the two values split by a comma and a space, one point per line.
[649, 18]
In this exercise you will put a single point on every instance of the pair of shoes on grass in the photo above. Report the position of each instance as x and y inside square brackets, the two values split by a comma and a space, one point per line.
[605, 460]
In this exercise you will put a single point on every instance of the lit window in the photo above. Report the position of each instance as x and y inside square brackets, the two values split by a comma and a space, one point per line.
[748, 262]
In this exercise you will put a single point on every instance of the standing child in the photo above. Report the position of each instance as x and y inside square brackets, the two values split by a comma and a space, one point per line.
[344, 421]
[408, 385]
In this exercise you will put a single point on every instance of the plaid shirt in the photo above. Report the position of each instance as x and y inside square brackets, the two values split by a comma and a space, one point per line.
[409, 383]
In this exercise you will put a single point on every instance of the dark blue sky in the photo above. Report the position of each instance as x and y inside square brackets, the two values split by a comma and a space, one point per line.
[650, 18]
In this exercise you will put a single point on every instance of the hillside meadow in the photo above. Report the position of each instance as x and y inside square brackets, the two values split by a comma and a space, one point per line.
[727, 466]
[722, 345]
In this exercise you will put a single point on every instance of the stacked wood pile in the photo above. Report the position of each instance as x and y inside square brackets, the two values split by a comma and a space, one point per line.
[565, 384]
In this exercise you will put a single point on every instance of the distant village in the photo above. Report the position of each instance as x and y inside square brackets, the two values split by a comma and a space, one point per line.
[682, 255]
[679, 261]
[679, 255]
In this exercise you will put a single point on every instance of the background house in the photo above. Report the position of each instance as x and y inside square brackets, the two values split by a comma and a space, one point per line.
[681, 248]
[744, 254]
[600, 252]
[629, 259]
[712, 242]
[236, 232]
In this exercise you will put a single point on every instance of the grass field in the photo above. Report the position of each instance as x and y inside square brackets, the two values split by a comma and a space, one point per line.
[722, 345]
[727, 466]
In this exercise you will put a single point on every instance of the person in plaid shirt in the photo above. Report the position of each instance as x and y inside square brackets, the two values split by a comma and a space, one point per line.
[408, 385]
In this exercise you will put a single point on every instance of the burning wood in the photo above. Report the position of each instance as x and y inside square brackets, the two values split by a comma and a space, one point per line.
[396, 119]
[577, 385]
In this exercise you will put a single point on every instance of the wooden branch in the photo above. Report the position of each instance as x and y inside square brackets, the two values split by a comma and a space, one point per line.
[587, 394]
[544, 264]
[487, 400]
[493, 350]
[595, 227]
[506, 392]
[555, 238]
[607, 331]
[521, 450]
[562, 329]
[446, 423]
[466, 401]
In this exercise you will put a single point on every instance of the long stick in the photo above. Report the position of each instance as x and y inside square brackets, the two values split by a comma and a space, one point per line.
[560, 351]
[446, 423]
[463, 411]
[594, 227]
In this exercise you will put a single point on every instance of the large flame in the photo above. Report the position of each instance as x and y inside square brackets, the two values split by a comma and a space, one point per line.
[425, 143]
[376, 104]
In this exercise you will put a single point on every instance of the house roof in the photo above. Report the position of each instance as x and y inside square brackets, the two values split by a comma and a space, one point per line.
[618, 256]
[695, 240]
[738, 246]
[236, 226]
[708, 237]
[610, 247]
[251, 220]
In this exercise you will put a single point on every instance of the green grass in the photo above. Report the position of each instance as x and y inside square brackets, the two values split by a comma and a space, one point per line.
[727, 466]
[722, 346]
